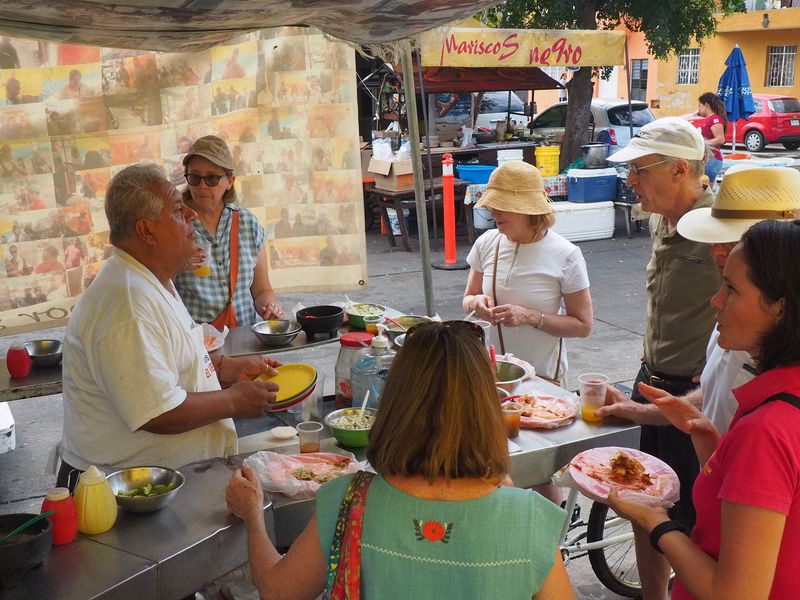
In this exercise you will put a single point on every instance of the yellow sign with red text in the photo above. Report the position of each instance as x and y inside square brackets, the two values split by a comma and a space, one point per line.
[485, 47]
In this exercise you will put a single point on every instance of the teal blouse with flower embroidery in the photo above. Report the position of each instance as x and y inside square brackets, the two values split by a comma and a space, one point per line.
[498, 546]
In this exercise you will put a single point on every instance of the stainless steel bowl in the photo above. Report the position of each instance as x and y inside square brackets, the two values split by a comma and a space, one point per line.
[400, 340]
[276, 332]
[127, 480]
[44, 353]
[508, 375]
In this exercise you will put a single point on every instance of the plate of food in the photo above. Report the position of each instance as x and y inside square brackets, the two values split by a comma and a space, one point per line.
[597, 471]
[300, 475]
[540, 411]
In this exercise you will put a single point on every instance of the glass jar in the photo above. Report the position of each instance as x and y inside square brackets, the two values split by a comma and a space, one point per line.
[350, 343]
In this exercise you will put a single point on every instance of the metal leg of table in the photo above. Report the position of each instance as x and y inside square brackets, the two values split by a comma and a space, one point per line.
[401, 220]
[387, 224]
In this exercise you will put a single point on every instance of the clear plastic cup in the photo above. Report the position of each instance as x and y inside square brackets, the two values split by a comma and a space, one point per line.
[309, 434]
[486, 326]
[371, 323]
[204, 269]
[512, 413]
[593, 394]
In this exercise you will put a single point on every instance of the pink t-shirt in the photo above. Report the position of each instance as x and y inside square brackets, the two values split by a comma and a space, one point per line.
[757, 463]
[705, 130]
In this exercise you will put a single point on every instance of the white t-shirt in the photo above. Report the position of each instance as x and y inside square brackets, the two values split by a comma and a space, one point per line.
[131, 353]
[723, 372]
[536, 276]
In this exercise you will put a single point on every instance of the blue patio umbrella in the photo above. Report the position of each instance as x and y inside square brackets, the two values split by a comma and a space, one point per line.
[734, 89]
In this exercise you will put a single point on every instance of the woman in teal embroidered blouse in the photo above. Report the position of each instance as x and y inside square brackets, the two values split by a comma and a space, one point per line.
[435, 521]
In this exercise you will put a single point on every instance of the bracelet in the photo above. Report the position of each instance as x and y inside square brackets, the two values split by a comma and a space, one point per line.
[540, 324]
[661, 529]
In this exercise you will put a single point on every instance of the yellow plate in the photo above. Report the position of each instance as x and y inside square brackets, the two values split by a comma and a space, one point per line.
[292, 380]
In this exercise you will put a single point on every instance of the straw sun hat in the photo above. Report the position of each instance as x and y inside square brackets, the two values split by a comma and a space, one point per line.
[746, 196]
[516, 187]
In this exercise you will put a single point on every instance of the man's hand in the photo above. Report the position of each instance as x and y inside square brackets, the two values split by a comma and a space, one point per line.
[678, 411]
[245, 368]
[244, 495]
[252, 399]
[510, 315]
[619, 405]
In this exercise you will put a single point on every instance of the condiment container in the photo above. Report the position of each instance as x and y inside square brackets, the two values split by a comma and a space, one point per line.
[350, 343]
[65, 517]
[369, 369]
[18, 361]
[94, 499]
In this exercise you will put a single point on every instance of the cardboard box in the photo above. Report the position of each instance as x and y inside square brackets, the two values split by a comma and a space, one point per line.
[366, 156]
[393, 175]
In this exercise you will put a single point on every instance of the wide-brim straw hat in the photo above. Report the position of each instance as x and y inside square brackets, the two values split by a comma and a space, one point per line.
[746, 196]
[516, 187]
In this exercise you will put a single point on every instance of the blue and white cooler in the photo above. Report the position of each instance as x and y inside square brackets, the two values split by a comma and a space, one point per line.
[592, 185]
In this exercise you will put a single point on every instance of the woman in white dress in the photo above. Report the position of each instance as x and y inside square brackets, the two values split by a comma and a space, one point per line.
[526, 279]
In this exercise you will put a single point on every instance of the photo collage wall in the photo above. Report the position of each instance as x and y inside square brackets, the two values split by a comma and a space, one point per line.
[72, 116]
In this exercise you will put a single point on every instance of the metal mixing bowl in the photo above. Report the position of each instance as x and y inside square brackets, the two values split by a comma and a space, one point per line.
[276, 332]
[508, 375]
[138, 477]
[44, 353]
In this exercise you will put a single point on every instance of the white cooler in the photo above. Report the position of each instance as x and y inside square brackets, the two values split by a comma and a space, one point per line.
[580, 222]
[8, 440]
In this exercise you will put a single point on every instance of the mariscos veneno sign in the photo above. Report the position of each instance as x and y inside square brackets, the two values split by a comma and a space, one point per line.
[484, 47]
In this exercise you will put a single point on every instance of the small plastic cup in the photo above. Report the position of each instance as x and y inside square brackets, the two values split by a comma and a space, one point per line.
[512, 412]
[486, 326]
[309, 433]
[371, 323]
[593, 394]
[204, 269]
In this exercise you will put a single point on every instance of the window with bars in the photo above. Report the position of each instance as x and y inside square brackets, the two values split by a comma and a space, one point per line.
[780, 65]
[688, 66]
[639, 79]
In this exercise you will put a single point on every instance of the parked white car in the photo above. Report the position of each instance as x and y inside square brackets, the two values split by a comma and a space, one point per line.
[609, 121]
[494, 107]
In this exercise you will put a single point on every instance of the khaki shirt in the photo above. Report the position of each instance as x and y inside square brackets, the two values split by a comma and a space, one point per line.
[681, 279]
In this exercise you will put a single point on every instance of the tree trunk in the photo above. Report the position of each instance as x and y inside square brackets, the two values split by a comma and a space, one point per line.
[577, 128]
[580, 89]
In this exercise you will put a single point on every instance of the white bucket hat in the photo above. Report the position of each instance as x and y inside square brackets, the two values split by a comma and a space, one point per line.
[670, 136]
[746, 196]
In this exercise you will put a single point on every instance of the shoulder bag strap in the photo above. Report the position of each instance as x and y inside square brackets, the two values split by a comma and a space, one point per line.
[494, 291]
[228, 314]
[783, 396]
[343, 578]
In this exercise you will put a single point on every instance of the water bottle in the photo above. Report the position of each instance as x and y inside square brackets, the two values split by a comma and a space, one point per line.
[369, 369]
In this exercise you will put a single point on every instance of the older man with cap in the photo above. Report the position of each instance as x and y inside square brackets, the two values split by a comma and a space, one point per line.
[666, 160]
[238, 290]
[139, 386]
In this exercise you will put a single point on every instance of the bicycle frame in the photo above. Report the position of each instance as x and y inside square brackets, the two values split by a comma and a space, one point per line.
[573, 543]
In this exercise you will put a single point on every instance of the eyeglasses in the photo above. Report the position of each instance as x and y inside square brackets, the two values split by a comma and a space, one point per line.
[635, 169]
[193, 179]
[470, 326]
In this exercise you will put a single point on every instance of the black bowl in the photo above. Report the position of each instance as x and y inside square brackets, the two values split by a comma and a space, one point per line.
[25, 550]
[320, 319]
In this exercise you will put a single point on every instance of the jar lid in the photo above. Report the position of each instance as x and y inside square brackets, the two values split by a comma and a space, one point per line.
[57, 494]
[92, 475]
[356, 339]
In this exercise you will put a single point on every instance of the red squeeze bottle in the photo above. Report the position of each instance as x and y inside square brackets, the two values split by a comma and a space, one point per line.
[18, 361]
[65, 517]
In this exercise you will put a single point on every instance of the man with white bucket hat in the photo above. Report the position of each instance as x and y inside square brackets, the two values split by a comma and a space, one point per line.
[747, 195]
[666, 159]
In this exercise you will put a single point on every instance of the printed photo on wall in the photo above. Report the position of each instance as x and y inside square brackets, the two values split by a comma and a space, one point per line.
[176, 70]
[185, 103]
[234, 62]
[68, 117]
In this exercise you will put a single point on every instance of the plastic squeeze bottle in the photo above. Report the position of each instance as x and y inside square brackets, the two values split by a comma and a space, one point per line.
[369, 369]
[65, 517]
[97, 507]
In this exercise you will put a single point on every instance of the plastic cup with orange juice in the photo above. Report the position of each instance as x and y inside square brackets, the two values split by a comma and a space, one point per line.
[309, 434]
[593, 395]
[371, 323]
[512, 413]
[204, 268]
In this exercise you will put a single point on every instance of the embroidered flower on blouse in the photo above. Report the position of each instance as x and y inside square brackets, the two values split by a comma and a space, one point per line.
[433, 531]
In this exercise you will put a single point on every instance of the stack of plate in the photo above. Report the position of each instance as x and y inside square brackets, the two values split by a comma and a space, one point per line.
[296, 382]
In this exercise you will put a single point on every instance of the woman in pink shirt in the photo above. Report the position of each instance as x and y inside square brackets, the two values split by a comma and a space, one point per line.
[710, 106]
[746, 543]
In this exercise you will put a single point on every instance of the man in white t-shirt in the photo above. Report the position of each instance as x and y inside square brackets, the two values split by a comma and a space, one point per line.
[139, 386]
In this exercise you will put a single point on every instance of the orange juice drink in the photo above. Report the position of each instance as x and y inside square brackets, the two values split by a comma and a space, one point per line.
[512, 412]
[593, 395]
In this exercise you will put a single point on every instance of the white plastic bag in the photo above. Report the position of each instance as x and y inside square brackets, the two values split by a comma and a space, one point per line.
[275, 470]
[466, 137]
[213, 338]
[382, 149]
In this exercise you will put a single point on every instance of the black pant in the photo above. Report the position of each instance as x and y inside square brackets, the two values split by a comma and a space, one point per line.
[68, 476]
[671, 445]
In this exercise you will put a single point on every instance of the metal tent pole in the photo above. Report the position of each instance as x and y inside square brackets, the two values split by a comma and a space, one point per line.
[628, 79]
[419, 190]
[425, 117]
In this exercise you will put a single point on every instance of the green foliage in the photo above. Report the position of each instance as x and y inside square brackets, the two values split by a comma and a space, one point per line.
[669, 26]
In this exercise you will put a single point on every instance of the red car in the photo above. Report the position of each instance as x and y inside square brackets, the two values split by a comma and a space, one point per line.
[776, 121]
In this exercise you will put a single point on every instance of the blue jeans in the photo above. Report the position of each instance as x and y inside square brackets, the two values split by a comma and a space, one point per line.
[713, 166]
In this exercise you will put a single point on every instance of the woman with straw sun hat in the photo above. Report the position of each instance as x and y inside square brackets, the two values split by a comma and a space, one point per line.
[526, 279]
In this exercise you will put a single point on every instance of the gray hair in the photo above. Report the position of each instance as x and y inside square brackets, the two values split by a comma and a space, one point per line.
[696, 167]
[131, 196]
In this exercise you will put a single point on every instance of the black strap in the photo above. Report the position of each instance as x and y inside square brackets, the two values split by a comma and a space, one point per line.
[783, 396]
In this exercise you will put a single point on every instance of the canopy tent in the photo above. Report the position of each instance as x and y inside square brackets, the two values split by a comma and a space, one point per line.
[485, 79]
[186, 26]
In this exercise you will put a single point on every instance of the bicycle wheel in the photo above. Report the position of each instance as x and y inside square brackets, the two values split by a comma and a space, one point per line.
[615, 565]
